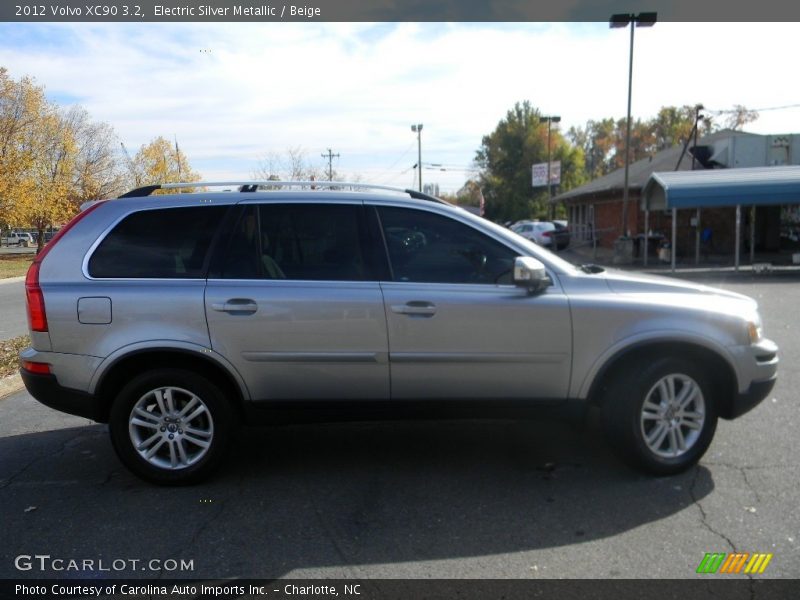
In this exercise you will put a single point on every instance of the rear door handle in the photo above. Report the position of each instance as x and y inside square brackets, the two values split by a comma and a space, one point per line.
[236, 306]
[415, 308]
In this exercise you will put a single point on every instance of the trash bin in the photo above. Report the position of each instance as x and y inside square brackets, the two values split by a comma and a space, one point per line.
[623, 251]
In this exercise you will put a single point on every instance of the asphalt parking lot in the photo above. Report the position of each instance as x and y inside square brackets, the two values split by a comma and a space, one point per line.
[495, 499]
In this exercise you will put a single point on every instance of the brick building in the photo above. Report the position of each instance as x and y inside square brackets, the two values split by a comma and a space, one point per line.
[595, 209]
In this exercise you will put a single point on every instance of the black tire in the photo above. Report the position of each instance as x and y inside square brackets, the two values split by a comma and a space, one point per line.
[629, 423]
[201, 440]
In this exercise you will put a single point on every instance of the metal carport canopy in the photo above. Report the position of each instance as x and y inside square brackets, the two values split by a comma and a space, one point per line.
[722, 187]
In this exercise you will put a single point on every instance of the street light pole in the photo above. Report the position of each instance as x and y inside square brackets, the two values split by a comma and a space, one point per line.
[697, 117]
[418, 130]
[619, 21]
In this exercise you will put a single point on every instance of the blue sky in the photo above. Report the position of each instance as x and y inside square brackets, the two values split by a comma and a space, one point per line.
[233, 93]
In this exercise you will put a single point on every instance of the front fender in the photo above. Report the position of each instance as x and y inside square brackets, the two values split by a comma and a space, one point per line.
[640, 341]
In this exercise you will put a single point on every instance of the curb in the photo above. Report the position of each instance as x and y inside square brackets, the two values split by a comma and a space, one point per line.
[12, 279]
[10, 385]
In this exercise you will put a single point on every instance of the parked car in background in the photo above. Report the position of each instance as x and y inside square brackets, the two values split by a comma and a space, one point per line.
[562, 234]
[540, 232]
[16, 238]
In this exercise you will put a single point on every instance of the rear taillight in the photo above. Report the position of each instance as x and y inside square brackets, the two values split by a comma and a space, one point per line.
[547, 234]
[37, 316]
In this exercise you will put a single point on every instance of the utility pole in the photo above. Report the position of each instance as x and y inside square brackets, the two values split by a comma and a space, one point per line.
[178, 159]
[418, 130]
[330, 156]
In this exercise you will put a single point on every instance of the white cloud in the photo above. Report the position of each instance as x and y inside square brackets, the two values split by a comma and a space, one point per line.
[234, 92]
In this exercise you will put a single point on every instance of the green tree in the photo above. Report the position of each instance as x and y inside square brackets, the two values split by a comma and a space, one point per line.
[598, 142]
[603, 141]
[672, 126]
[505, 159]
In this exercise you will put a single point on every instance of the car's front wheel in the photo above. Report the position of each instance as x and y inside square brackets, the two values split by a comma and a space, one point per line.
[661, 415]
[171, 426]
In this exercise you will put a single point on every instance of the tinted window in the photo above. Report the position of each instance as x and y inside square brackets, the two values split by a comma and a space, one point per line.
[426, 247]
[322, 242]
[163, 243]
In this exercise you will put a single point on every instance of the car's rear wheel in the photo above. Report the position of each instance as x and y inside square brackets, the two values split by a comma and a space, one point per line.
[661, 417]
[171, 426]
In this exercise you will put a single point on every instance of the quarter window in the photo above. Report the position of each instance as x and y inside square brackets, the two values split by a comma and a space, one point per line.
[163, 243]
[426, 247]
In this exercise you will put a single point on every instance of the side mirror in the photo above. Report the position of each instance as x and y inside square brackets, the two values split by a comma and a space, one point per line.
[531, 274]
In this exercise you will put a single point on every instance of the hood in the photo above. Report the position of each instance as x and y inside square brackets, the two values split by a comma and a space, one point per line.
[622, 282]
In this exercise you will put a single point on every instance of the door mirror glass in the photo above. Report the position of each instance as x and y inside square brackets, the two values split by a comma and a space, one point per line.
[531, 274]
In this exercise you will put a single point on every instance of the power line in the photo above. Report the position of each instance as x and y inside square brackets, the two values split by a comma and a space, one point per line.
[730, 111]
[401, 157]
[401, 173]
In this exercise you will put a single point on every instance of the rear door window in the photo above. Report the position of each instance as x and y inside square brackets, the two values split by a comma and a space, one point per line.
[168, 243]
[302, 241]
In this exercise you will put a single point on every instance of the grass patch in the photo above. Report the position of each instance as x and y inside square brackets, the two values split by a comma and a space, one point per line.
[9, 354]
[14, 265]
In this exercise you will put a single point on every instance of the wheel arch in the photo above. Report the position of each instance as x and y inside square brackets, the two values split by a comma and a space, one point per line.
[720, 371]
[120, 369]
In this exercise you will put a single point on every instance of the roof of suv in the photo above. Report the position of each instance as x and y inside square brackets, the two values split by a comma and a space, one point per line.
[279, 186]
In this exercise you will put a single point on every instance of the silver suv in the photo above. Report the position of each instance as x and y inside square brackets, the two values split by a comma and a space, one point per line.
[177, 317]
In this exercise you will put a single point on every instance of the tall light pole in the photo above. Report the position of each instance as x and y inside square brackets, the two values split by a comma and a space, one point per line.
[647, 19]
[418, 130]
[697, 119]
[549, 120]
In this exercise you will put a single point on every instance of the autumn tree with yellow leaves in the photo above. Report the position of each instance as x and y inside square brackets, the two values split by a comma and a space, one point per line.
[160, 162]
[22, 107]
[51, 160]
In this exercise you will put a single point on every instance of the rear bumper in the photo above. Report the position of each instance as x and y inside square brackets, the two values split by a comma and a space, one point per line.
[743, 402]
[47, 390]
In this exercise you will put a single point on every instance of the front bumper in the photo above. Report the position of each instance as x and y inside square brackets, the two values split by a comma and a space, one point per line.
[47, 390]
[745, 401]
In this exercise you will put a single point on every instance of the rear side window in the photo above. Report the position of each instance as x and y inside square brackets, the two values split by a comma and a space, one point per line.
[164, 243]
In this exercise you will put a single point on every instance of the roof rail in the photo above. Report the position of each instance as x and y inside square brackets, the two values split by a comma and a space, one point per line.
[253, 186]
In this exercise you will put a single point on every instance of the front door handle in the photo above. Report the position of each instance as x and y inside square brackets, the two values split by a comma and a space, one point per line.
[415, 308]
[236, 306]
